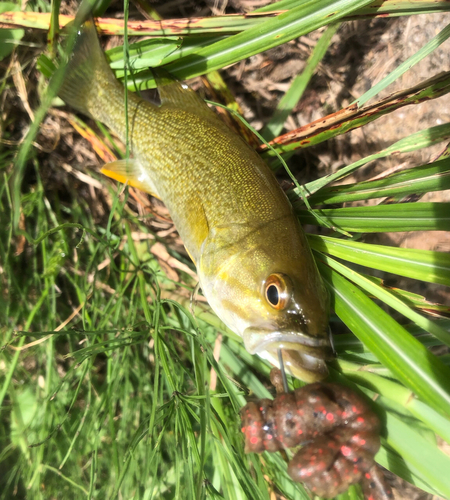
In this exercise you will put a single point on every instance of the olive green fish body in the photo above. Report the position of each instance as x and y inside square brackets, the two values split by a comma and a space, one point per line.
[253, 260]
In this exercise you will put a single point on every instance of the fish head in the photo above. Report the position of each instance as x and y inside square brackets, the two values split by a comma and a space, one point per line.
[271, 294]
[294, 318]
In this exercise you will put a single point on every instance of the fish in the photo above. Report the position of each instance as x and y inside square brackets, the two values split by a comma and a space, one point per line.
[253, 261]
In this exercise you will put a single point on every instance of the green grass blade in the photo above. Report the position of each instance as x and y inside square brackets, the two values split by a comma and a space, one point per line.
[415, 300]
[384, 218]
[417, 180]
[408, 359]
[298, 86]
[229, 24]
[50, 93]
[171, 27]
[427, 49]
[392, 8]
[298, 21]
[378, 7]
[54, 27]
[157, 54]
[9, 37]
[392, 461]
[143, 79]
[143, 54]
[389, 299]
[399, 395]
[422, 139]
[430, 464]
[425, 265]
[348, 342]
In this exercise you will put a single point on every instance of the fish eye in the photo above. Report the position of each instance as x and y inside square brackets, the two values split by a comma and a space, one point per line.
[277, 291]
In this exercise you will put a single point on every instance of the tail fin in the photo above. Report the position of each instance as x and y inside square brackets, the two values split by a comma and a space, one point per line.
[89, 81]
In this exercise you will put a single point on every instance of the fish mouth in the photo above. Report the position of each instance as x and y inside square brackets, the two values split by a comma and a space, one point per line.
[300, 365]
[304, 356]
[257, 340]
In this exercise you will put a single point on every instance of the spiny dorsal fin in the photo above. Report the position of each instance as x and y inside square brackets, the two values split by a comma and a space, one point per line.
[176, 94]
[132, 172]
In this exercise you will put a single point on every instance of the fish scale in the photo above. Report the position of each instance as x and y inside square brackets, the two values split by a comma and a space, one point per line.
[253, 261]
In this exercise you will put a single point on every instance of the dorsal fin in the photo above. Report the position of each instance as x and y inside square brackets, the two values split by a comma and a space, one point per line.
[176, 94]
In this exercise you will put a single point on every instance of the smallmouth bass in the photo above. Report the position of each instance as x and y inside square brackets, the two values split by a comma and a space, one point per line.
[253, 261]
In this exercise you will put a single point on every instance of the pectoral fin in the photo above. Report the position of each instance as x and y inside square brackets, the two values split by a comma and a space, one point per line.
[132, 172]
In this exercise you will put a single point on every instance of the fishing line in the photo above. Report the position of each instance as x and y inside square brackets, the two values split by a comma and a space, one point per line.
[283, 372]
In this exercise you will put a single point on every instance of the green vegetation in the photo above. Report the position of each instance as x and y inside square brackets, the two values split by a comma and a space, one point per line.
[107, 388]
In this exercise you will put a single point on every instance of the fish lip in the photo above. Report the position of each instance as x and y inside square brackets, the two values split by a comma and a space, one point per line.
[257, 340]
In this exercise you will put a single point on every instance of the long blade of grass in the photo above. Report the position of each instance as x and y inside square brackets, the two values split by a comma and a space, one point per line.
[54, 27]
[142, 54]
[353, 116]
[392, 461]
[424, 265]
[427, 49]
[419, 140]
[389, 299]
[429, 465]
[144, 78]
[415, 300]
[422, 179]
[46, 101]
[408, 359]
[234, 23]
[392, 8]
[378, 7]
[399, 395]
[348, 342]
[272, 32]
[298, 86]
[384, 218]
[225, 24]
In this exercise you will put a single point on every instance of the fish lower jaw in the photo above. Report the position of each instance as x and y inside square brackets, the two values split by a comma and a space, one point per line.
[298, 364]
[304, 356]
